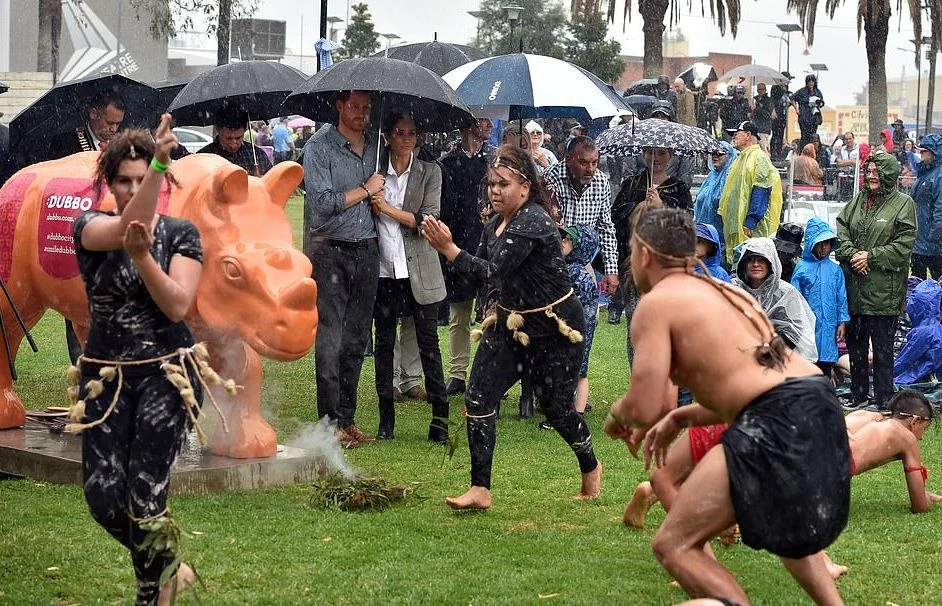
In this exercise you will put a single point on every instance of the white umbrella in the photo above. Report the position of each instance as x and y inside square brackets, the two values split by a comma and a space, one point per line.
[753, 74]
[519, 86]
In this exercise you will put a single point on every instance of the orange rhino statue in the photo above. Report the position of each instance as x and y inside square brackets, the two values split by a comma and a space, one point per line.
[255, 296]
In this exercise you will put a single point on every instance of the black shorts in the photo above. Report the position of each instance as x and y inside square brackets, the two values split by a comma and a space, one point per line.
[789, 468]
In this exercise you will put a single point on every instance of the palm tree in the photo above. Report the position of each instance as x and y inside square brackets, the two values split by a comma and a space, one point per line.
[873, 17]
[653, 12]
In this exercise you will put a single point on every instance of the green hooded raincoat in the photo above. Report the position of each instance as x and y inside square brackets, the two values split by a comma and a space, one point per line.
[887, 232]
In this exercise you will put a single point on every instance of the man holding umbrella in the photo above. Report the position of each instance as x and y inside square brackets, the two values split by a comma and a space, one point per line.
[230, 124]
[340, 179]
[105, 114]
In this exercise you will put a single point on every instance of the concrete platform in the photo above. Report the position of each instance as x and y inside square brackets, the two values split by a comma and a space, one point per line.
[35, 452]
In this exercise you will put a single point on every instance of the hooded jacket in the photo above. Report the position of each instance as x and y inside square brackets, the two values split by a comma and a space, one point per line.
[582, 253]
[922, 354]
[786, 308]
[887, 232]
[751, 170]
[708, 198]
[709, 233]
[821, 283]
[927, 195]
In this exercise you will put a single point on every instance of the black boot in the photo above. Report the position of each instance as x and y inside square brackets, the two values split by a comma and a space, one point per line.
[387, 421]
[438, 428]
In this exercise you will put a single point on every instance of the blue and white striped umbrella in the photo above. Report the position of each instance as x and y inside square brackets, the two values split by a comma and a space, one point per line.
[517, 86]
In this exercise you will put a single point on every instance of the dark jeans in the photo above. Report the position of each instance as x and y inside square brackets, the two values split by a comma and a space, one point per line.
[281, 156]
[778, 138]
[808, 131]
[393, 299]
[861, 332]
[126, 462]
[922, 265]
[346, 276]
[552, 365]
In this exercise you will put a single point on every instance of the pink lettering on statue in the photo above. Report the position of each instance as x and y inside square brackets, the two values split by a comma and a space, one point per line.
[63, 199]
[11, 199]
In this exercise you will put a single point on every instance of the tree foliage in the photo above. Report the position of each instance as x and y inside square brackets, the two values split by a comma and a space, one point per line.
[542, 26]
[167, 17]
[587, 45]
[360, 38]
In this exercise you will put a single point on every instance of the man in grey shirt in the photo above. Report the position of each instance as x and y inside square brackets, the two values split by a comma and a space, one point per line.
[340, 179]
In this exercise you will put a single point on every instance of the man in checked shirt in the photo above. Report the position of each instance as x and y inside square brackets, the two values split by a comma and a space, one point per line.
[584, 197]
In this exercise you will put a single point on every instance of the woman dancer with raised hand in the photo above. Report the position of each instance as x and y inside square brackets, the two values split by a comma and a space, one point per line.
[141, 272]
[536, 329]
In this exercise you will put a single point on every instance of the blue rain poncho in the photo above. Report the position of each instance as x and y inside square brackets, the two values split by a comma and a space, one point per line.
[821, 283]
[707, 232]
[922, 354]
[706, 205]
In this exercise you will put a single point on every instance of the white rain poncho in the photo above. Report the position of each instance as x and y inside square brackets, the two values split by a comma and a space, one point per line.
[788, 310]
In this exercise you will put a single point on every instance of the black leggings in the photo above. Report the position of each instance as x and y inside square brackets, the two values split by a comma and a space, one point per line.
[552, 365]
[862, 331]
[126, 462]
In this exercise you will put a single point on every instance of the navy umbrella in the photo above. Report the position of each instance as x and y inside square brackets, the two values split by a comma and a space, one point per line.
[644, 86]
[395, 85]
[631, 139]
[440, 57]
[518, 86]
[258, 87]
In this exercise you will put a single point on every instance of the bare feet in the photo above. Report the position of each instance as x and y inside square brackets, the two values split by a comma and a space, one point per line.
[477, 497]
[637, 509]
[835, 570]
[591, 484]
[730, 536]
[183, 579]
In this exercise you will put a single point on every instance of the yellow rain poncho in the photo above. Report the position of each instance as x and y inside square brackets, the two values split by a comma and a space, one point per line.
[752, 168]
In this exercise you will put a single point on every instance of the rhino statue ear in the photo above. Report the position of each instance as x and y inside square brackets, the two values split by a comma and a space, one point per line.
[282, 181]
[230, 184]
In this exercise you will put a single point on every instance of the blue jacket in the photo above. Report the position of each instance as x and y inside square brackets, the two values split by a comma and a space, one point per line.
[821, 283]
[708, 198]
[927, 194]
[710, 233]
[922, 354]
[583, 284]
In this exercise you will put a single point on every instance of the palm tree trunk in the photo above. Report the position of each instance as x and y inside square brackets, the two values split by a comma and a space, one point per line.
[222, 32]
[652, 12]
[47, 48]
[876, 29]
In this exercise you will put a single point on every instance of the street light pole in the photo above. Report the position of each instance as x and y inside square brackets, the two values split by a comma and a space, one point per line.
[788, 28]
[918, 80]
[513, 15]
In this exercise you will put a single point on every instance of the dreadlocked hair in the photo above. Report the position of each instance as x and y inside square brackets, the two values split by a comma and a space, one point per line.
[129, 144]
[519, 162]
[670, 235]
[910, 403]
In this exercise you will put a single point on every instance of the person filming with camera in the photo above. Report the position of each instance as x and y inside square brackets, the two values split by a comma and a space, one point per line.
[808, 103]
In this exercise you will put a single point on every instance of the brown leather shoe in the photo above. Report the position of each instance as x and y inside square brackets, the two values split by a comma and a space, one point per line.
[416, 393]
[397, 395]
[347, 438]
[361, 437]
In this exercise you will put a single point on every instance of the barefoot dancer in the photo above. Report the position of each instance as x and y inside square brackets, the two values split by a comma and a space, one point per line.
[784, 421]
[538, 324]
[140, 271]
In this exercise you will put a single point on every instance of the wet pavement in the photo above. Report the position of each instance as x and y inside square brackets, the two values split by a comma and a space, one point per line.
[36, 452]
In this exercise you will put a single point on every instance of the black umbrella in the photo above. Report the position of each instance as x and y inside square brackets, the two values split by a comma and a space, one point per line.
[640, 103]
[169, 89]
[64, 107]
[630, 139]
[395, 86]
[698, 75]
[3, 88]
[644, 86]
[439, 57]
[258, 87]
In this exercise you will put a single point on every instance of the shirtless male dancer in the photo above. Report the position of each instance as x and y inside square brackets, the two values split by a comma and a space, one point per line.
[872, 444]
[784, 420]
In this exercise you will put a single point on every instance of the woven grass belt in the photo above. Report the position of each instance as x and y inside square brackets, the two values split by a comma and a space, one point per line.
[515, 321]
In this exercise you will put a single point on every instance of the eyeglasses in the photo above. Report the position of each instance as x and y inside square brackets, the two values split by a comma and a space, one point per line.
[405, 133]
[718, 154]
[870, 171]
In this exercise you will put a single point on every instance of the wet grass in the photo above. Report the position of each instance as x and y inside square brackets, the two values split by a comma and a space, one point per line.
[534, 546]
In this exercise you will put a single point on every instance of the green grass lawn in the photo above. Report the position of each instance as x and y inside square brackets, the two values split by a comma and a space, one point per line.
[534, 546]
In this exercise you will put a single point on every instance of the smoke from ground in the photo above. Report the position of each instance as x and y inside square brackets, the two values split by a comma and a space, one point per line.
[321, 438]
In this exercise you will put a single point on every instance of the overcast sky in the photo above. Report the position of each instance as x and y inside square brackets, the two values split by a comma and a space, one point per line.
[836, 43]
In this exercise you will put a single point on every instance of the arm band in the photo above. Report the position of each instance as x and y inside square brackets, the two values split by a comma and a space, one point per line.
[158, 166]
[920, 468]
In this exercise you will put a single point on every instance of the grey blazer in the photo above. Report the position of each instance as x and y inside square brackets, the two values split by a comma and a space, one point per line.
[423, 197]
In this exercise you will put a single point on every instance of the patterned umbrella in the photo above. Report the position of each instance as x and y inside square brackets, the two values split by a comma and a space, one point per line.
[630, 139]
